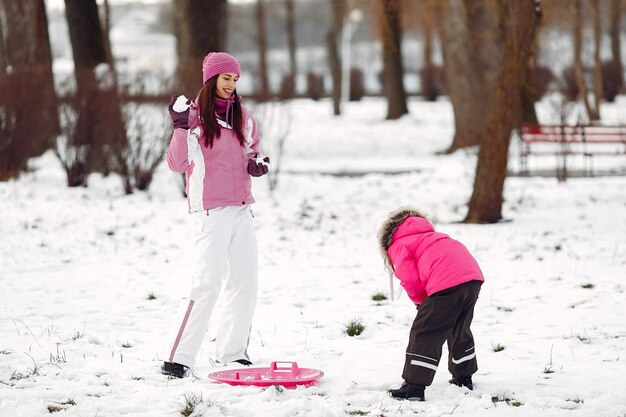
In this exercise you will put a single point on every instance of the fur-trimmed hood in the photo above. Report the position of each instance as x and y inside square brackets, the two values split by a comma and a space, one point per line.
[424, 260]
[390, 225]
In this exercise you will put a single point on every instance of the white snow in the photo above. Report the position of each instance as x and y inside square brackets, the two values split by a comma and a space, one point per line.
[77, 267]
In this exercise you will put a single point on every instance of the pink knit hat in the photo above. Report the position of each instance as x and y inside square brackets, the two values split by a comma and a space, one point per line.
[218, 63]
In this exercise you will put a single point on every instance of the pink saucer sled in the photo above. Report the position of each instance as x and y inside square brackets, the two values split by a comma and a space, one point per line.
[288, 376]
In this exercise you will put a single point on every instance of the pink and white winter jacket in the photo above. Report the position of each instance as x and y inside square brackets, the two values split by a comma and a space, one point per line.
[427, 262]
[216, 176]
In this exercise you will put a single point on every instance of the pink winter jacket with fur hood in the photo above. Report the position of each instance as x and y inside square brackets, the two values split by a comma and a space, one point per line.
[216, 176]
[425, 261]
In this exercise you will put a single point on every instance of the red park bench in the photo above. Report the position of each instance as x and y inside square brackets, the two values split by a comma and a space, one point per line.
[563, 141]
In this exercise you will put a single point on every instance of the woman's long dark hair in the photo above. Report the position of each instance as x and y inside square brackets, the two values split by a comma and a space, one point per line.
[206, 104]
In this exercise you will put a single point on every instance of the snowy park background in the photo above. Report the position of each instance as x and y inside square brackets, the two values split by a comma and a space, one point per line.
[91, 277]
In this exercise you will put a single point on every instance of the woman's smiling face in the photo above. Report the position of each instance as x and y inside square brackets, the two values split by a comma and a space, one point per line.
[226, 84]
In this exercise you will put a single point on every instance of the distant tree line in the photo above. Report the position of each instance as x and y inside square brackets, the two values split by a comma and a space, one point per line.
[490, 73]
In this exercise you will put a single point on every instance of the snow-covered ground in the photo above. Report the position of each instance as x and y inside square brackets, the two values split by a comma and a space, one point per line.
[90, 280]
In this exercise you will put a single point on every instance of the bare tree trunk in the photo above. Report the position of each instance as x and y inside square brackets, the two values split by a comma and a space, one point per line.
[392, 57]
[4, 58]
[200, 29]
[528, 113]
[578, 66]
[26, 48]
[615, 35]
[503, 109]
[28, 118]
[529, 94]
[459, 79]
[106, 28]
[430, 89]
[263, 93]
[100, 124]
[291, 45]
[597, 73]
[334, 62]
[86, 39]
[472, 53]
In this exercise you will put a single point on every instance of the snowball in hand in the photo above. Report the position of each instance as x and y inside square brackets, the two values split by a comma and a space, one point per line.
[181, 104]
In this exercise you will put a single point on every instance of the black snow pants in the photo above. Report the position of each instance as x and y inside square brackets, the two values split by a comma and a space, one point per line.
[445, 315]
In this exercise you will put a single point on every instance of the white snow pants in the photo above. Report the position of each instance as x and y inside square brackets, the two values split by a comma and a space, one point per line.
[224, 248]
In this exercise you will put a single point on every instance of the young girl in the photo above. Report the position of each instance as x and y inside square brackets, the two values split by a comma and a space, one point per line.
[443, 280]
[216, 144]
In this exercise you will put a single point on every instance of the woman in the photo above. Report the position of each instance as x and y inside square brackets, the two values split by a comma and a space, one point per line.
[216, 144]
